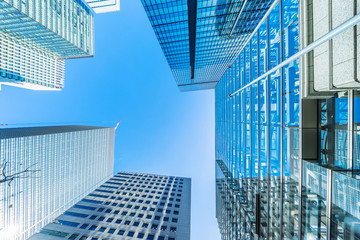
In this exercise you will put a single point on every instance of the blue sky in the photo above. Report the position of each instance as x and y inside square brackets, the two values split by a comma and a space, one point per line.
[162, 130]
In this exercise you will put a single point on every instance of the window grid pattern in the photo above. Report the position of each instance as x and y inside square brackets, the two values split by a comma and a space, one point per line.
[24, 65]
[63, 27]
[71, 162]
[128, 206]
[257, 134]
[222, 28]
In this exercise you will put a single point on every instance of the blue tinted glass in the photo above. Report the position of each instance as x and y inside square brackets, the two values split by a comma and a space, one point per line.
[291, 94]
[247, 64]
[263, 48]
[274, 37]
[254, 57]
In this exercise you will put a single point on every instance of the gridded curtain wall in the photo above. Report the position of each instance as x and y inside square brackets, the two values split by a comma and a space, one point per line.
[68, 165]
[260, 143]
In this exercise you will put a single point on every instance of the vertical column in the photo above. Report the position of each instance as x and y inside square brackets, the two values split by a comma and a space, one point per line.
[350, 135]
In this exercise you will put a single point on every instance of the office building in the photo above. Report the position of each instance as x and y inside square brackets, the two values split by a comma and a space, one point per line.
[287, 119]
[128, 206]
[200, 39]
[46, 170]
[37, 36]
[103, 6]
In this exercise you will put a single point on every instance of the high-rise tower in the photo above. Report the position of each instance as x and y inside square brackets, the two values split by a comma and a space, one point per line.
[287, 109]
[128, 206]
[45, 170]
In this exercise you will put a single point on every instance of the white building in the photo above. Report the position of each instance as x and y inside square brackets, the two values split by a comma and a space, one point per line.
[45, 170]
[128, 206]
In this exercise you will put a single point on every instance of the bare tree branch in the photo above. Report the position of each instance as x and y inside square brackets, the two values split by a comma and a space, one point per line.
[26, 173]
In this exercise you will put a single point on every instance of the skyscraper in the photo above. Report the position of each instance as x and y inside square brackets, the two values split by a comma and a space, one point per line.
[128, 206]
[287, 117]
[37, 36]
[103, 6]
[45, 170]
[200, 39]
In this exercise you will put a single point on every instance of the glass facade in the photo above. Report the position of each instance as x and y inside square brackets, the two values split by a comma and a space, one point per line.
[200, 39]
[102, 6]
[45, 170]
[128, 206]
[286, 167]
[25, 65]
[63, 27]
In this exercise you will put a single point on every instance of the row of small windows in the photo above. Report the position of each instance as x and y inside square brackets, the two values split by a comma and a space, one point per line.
[123, 213]
[109, 231]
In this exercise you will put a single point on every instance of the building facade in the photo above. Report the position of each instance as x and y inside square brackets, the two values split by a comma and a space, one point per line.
[45, 170]
[200, 39]
[128, 206]
[104, 6]
[37, 36]
[287, 137]
[287, 110]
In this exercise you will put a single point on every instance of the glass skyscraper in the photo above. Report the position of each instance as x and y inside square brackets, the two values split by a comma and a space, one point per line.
[37, 36]
[46, 170]
[200, 39]
[102, 6]
[128, 206]
[287, 116]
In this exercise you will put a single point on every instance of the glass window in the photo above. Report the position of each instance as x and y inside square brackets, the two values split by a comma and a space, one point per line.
[274, 37]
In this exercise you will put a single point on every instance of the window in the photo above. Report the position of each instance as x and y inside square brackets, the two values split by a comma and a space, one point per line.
[100, 209]
[72, 237]
[154, 226]
[161, 238]
[136, 224]
[148, 216]
[76, 214]
[108, 210]
[111, 230]
[136, 207]
[157, 218]
[110, 220]
[150, 237]
[160, 210]
[84, 207]
[116, 212]
[93, 227]
[163, 228]
[127, 223]
[173, 229]
[93, 217]
[84, 226]
[144, 208]
[132, 214]
[175, 220]
[145, 225]
[130, 234]
[129, 206]
[171, 238]
[121, 232]
[91, 201]
[140, 235]
[176, 212]
[152, 209]
[166, 219]
[140, 215]
[68, 223]
[124, 213]
[177, 205]
[101, 219]
[102, 229]
[118, 221]
[168, 211]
